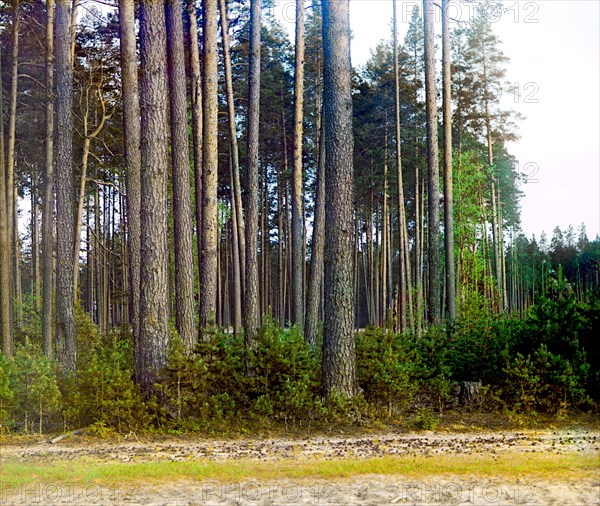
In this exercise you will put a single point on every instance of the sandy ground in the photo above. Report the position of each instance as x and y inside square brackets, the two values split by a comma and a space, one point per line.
[364, 490]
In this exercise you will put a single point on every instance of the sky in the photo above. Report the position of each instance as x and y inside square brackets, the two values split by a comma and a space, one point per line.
[553, 46]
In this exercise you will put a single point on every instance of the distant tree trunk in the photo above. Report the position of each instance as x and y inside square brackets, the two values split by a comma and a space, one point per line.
[66, 338]
[433, 257]
[5, 243]
[338, 334]
[315, 280]
[182, 204]
[196, 105]
[208, 268]
[132, 137]
[384, 232]
[251, 300]
[235, 167]
[87, 147]
[35, 243]
[154, 333]
[448, 196]
[297, 183]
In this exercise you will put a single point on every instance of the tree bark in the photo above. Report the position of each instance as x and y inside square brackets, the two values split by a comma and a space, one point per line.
[208, 268]
[132, 137]
[154, 334]
[5, 243]
[196, 105]
[10, 165]
[316, 260]
[448, 194]
[182, 203]
[433, 176]
[251, 300]
[338, 336]
[297, 183]
[66, 338]
[237, 189]
[405, 291]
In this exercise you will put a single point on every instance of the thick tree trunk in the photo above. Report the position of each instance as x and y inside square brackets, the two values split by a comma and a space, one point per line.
[182, 204]
[208, 267]
[5, 244]
[433, 177]
[66, 339]
[154, 333]
[251, 300]
[338, 335]
[297, 183]
[132, 136]
[236, 187]
[448, 196]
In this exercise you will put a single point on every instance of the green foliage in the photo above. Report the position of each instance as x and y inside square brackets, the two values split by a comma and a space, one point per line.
[33, 383]
[6, 395]
[386, 369]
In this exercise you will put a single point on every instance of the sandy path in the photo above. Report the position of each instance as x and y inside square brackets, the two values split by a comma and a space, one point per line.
[363, 490]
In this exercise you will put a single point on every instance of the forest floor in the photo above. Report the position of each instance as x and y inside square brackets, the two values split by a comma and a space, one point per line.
[465, 465]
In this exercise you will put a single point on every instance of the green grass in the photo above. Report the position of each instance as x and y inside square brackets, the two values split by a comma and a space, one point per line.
[87, 471]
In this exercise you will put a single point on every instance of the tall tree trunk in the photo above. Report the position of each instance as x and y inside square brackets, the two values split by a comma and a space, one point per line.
[154, 333]
[384, 232]
[5, 243]
[35, 243]
[132, 137]
[405, 295]
[196, 106]
[251, 300]
[182, 204]
[433, 178]
[237, 189]
[448, 196]
[316, 259]
[208, 268]
[11, 204]
[66, 339]
[338, 336]
[297, 183]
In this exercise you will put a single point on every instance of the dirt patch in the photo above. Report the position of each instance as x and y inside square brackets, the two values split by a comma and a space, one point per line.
[364, 490]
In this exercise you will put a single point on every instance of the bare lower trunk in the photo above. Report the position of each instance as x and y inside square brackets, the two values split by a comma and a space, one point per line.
[448, 196]
[236, 186]
[208, 268]
[66, 342]
[5, 323]
[132, 138]
[154, 333]
[182, 204]
[251, 300]
[338, 333]
[297, 183]
[433, 256]
[316, 260]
